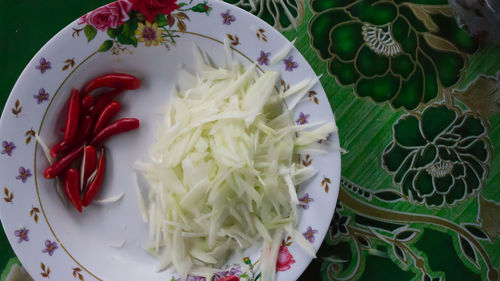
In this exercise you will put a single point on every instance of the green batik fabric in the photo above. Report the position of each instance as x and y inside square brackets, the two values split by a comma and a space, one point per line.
[417, 104]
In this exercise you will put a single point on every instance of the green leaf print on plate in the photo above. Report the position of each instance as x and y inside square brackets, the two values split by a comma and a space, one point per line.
[438, 157]
[90, 32]
[392, 51]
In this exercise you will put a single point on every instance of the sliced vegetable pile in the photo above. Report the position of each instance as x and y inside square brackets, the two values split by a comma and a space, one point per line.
[87, 127]
[222, 174]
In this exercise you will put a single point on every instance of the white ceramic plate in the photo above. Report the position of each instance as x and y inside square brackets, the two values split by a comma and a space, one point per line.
[54, 241]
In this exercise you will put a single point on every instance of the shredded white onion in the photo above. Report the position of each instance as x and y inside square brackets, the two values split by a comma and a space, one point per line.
[50, 159]
[108, 200]
[82, 170]
[118, 244]
[45, 149]
[282, 53]
[221, 174]
[140, 199]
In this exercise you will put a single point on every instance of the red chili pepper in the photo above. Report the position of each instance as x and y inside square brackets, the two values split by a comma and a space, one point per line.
[102, 101]
[58, 147]
[230, 278]
[113, 80]
[117, 127]
[90, 155]
[72, 188]
[87, 103]
[58, 167]
[85, 131]
[109, 111]
[96, 183]
[73, 116]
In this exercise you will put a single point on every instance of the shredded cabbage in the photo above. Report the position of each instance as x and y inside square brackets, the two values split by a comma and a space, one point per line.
[118, 244]
[221, 174]
[108, 200]
[50, 159]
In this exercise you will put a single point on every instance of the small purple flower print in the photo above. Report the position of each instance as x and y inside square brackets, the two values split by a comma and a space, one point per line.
[196, 278]
[309, 234]
[302, 118]
[24, 174]
[325, 139]
[227, 18]
[264, 58]
[290, 64]
[42, 96]
[44, 65]
[22, 234]
[305, 200]
[50, 247]
[8, 147]
[233, 271]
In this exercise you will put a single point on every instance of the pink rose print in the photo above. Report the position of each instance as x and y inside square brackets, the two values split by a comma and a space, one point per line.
[151, 8]
[285, 259]
[110, 16]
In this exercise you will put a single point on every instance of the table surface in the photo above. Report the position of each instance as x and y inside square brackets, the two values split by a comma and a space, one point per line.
[416, 101]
